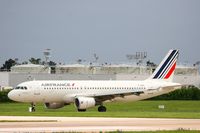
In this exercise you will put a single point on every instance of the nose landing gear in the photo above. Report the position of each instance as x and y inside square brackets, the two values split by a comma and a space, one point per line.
[32, 108]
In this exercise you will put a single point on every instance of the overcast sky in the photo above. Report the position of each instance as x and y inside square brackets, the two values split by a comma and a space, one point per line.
[111, 28]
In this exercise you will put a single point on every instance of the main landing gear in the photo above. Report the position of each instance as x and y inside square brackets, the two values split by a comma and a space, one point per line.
[102, 108]
[81, 110]
[32, 108]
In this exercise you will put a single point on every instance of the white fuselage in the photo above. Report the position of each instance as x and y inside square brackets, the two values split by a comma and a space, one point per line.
[66, 91]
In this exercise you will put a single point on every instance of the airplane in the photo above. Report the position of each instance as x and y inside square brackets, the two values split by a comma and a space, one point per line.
[89, 93]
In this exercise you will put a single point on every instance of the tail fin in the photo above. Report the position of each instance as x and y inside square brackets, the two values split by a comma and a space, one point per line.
[165, 70]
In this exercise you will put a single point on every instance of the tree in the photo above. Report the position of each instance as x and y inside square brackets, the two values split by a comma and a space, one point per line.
[190, 93]
[24, 62]
[150, 64]
[51, 63]
[35, 60]
[4, 96]
[8, 64]
[79, 61]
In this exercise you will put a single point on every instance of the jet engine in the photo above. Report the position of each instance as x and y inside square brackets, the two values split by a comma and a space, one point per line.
[54, 105]
[82, 103]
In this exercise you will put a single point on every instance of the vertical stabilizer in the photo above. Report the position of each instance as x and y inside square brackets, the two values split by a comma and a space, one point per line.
[165, 70]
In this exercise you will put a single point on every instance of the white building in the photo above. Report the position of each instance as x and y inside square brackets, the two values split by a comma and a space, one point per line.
[30, 68]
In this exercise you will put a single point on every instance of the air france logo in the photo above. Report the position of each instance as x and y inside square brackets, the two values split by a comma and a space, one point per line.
[57, 84]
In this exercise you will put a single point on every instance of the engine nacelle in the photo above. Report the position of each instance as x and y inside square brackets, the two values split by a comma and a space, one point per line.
[84, 102]
[54, 105]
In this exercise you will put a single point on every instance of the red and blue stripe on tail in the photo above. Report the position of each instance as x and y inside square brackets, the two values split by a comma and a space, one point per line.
[166, 68]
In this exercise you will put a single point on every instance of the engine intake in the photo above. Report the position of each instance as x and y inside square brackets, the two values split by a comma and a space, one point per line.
[84, 102]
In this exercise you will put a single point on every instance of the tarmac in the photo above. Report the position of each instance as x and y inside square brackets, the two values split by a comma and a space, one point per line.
[92, 124]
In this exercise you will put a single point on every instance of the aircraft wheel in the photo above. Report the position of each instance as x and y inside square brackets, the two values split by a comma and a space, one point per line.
[32, 108]
[81, 110]
[102, 109]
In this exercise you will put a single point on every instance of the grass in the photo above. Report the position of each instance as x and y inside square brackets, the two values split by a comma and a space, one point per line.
[139, 109]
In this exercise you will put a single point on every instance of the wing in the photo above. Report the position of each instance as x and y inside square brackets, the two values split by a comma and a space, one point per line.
[100, 99]
[104, 97]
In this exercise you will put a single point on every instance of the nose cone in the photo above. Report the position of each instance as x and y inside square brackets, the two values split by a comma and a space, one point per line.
[12, 95]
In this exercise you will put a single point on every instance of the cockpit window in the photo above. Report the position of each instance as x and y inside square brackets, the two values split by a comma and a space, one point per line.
[21, 88]
[17, 88]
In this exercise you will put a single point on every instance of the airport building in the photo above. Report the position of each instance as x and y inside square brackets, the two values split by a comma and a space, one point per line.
[20, 73]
